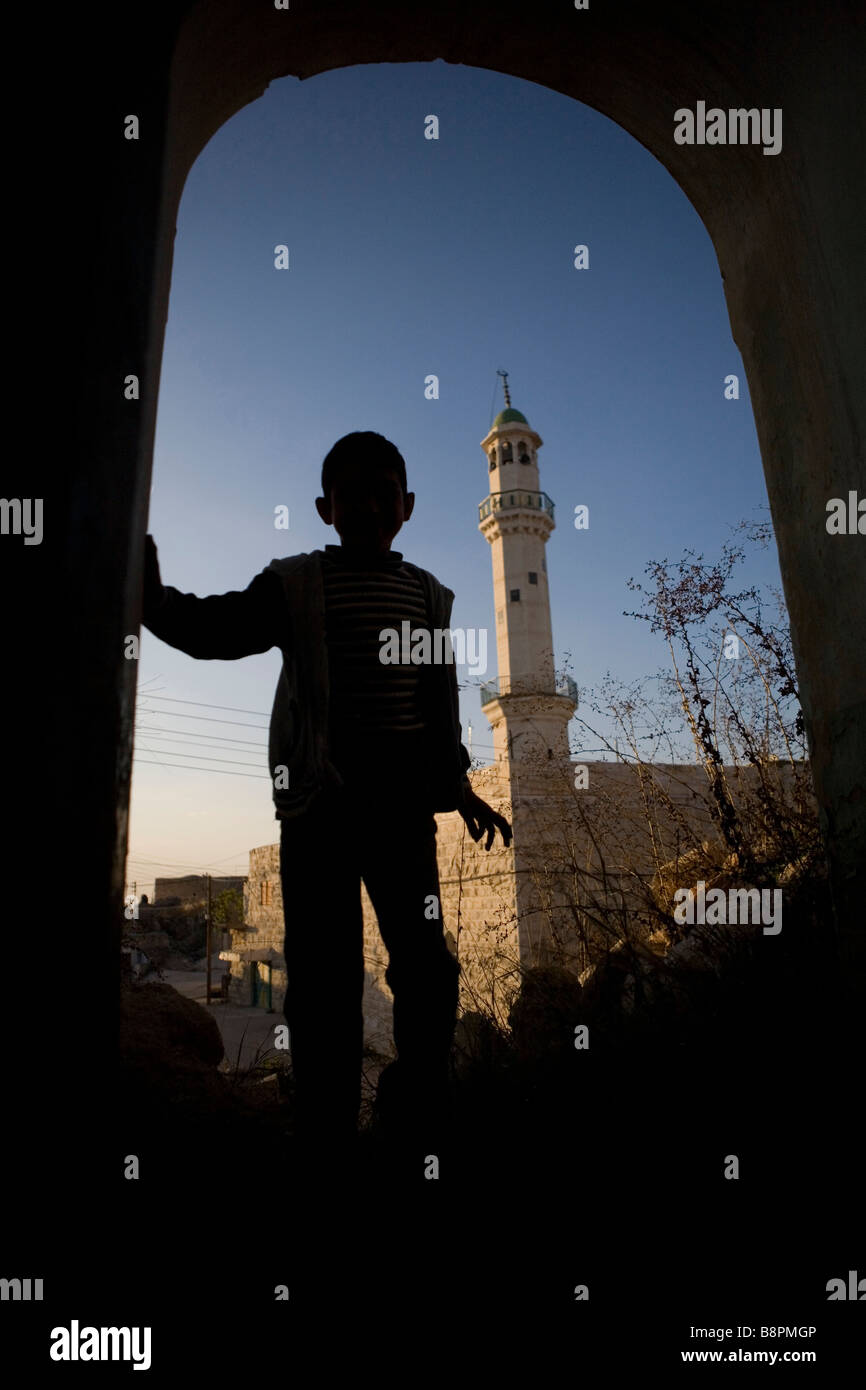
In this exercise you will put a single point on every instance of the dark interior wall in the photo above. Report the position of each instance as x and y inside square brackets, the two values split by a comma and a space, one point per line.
[787, 231]
[88, 202]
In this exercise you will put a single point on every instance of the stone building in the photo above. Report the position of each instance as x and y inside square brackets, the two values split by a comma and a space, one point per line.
[589, 837]
[190, 889]
[255, 956]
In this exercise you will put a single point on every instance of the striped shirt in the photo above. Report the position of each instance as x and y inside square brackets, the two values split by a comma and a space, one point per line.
[376, 708]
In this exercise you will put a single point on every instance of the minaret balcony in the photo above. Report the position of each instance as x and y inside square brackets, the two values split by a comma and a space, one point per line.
[511, 501]
[528, 685]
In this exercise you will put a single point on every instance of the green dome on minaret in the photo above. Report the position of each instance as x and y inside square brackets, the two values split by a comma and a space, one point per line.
[506, 416]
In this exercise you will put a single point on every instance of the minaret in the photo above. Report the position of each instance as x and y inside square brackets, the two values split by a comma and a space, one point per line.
[528, 708]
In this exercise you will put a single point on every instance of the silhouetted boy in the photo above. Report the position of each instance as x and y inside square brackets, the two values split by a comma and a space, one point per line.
[361, 754]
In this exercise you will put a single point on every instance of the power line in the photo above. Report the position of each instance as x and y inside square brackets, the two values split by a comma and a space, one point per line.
[218, 770]
[204, 757]
[234, 855]
[143, 746]
[200, 704]
[173, 864]
[209, 719]
[159, 863]
[140, 865]
[164, 738]
[188, 733]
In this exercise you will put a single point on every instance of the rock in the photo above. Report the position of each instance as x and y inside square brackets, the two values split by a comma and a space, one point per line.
[175, 1105]
[170, 1047]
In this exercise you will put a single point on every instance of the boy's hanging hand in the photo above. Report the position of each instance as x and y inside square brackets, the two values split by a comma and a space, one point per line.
[480, 817]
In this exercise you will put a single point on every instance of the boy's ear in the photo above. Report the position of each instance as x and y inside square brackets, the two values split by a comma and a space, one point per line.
[408, 505]
[323, 507]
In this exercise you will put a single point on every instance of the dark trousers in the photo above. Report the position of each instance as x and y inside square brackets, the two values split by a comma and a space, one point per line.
[324, 854]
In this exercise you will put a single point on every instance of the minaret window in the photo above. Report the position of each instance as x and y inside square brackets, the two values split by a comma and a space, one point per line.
[507, 452]
[515, 595]
[521, 452]
[492, 459]
[533, 577]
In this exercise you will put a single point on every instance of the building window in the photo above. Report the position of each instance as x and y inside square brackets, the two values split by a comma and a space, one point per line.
[492, 459]
[265, 898]
[507, 452]
[521, 452]
[533, 577]
[515, 595]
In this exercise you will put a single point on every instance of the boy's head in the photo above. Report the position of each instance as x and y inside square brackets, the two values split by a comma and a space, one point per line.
[364, 491]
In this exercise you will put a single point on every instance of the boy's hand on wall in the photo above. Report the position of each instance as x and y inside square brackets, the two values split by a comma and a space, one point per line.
[152, 579]
[480, 817]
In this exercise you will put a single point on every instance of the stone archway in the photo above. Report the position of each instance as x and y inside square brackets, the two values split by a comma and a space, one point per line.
[786, 230]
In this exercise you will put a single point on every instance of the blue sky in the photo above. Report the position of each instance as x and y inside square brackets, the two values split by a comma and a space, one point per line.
[408, 257]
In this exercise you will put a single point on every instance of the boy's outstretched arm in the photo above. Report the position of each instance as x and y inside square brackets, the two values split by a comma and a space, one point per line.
[220, 627]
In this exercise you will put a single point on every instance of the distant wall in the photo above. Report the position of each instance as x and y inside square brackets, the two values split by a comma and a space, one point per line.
[191, 888]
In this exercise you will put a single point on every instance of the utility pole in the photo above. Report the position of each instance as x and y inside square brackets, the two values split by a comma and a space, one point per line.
[207, 941]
